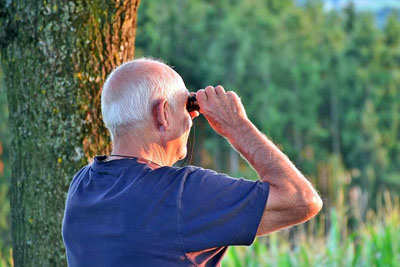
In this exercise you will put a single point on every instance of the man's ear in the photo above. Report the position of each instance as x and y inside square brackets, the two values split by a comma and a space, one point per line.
[162, 115]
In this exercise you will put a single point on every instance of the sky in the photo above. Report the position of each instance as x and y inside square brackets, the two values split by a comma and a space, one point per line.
[364, 5]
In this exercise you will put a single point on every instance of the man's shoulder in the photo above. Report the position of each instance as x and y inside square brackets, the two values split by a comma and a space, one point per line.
[174, 170]
[188, 169]
[188, 172]
[198, 173]
[79, 174]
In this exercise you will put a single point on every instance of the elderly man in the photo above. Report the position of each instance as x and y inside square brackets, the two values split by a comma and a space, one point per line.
[133, 208]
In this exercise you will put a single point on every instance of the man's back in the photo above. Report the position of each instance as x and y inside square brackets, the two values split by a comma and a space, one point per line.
[122, 212]
[126, 213]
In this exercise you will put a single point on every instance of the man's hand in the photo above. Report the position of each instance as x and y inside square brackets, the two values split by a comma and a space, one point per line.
[223, 110]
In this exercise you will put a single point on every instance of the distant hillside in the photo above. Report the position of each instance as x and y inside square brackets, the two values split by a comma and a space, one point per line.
[363, 5]
[382, 15]
[382, 8]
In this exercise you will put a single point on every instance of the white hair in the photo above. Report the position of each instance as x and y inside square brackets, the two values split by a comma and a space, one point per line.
[132, 89]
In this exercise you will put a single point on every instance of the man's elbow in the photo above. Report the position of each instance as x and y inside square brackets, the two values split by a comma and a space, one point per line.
[316, 205]
[311, 206]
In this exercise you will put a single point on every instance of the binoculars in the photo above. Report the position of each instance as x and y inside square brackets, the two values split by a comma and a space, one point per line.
[192, 104]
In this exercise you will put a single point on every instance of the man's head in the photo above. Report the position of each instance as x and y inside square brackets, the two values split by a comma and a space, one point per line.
[146, 99]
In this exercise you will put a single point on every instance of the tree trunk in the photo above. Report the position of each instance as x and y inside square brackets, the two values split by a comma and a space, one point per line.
[55, 56]
[334, 114]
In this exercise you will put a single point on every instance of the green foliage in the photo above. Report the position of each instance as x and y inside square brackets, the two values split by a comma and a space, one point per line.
[6, 259]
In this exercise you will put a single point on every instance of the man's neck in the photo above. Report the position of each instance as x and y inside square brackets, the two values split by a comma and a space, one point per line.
[152, 152]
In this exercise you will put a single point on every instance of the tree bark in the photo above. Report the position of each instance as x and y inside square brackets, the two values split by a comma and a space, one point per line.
[56, 56]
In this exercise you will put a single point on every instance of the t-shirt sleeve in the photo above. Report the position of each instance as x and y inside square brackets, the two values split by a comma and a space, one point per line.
[217, 210]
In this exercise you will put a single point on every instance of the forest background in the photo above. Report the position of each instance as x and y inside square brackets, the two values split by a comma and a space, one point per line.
[322, 84]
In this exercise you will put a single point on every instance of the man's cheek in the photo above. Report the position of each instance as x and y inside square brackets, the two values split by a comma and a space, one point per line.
[189, 122]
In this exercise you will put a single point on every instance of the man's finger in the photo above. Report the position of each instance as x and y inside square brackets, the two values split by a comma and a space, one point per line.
[210, 91]
[201, 96]
[232, 94]
[220, 90]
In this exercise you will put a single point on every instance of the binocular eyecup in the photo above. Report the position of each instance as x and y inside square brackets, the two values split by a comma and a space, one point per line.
[192, 104]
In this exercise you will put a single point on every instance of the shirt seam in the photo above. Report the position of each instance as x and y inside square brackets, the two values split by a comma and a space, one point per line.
[180, 223]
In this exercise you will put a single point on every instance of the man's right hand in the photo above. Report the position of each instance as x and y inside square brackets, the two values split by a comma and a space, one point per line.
[224, 111]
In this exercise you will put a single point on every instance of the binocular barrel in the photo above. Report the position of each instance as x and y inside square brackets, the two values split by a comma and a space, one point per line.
[192, 104]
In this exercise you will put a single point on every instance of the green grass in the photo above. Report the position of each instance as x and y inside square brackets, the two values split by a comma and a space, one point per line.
[374, 242]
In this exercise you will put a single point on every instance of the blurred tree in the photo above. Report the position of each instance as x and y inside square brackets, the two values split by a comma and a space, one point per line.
[55, 58]
[360, 135]
[389, 104]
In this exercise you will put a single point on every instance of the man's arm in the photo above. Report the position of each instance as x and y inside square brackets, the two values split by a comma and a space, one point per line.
[292, 199]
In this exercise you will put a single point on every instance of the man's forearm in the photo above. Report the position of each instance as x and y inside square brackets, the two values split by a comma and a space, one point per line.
[271, 164]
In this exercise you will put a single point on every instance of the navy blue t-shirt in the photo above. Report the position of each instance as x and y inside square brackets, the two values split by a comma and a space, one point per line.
[127, 213]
